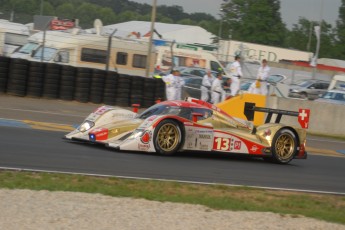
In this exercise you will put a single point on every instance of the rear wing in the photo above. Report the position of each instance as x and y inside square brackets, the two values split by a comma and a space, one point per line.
[303, 114]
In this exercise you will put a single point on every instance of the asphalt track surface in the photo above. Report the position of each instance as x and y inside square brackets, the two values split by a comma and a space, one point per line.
[30, 141]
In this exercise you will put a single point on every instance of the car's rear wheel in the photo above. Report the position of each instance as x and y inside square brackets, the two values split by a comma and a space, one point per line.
[167, 137]
[284, 146]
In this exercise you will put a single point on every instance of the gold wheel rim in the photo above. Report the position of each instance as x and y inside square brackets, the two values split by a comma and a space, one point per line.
[285, 146]
[168, 137]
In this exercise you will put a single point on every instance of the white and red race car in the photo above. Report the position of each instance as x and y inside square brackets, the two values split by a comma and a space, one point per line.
[193, 125]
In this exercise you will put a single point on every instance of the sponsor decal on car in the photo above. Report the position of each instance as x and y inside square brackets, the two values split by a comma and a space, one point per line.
[99, 134]
[146, 137]
[226, 144]
[143, 147]
[254, 149]
[101, 110]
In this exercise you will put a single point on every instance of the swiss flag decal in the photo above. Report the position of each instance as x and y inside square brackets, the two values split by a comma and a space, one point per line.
[303, 117]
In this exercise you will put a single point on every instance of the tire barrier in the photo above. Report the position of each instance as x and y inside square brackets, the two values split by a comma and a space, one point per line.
[4, 69]
[136, 90]
[149, 92]
[159, 89]
[123, 92]
[110, 88]
[51, 84]
[36, 74]
[83, 84]
[67, 82]
[97, 86]
[17, 77]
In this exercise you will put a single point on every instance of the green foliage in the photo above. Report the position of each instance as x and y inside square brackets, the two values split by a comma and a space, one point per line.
[257, 21]
[340, 32]
[66, 10]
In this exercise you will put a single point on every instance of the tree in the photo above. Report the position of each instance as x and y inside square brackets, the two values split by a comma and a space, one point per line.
[66, 10]
[107, 15]
[257, 21]
[302, 37]
[340, 32]
[87, 13]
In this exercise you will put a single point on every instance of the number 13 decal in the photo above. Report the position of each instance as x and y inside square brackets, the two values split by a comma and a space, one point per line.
[224, 144]
[221, 143]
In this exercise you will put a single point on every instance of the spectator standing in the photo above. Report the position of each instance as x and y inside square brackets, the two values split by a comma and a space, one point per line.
[227, 85]
[236, 74]
[206, 86]
[218, 93]
[227, 88]
[179, 83]
[170, 90]
[260, 85]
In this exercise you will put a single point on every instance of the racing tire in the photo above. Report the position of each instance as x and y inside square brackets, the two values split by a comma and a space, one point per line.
[284, 146]
[167, 137]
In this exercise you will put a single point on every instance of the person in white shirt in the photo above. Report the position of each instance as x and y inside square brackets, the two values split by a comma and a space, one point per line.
[236, 73]
[260, 85]
[206, 86]
[263, 73]
[170, 86]
[179, 83]
[218, 93]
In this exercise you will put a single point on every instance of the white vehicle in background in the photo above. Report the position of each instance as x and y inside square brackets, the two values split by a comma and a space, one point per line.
[337, 82]
[87, 50]
[12, 36]
[167, 57]
[333, 96]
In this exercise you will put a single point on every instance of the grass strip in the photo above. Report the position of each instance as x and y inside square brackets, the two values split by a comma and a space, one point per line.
[330, 208]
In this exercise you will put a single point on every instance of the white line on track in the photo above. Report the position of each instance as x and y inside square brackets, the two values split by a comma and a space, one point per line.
[326, 140]
[34, 111]
[179, 181]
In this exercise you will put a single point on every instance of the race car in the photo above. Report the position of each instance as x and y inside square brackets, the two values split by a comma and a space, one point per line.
[193, 125]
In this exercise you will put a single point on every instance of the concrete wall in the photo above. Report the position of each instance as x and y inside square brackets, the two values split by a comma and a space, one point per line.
[325, 118]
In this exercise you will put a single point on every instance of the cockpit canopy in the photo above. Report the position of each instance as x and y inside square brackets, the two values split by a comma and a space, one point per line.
[185, 112]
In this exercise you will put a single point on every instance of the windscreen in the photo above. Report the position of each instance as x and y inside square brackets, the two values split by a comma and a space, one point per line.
[47, 55]
[164, 110]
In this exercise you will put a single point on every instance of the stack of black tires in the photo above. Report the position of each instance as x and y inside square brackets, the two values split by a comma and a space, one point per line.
[51, 86]
[123, 92]
[67, 82]
[36, 76]
[110, 88]
[17, 77]
[83, 84]
[4, 70]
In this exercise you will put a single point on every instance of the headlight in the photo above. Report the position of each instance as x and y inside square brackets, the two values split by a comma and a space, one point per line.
[86, 126]
[135, 134]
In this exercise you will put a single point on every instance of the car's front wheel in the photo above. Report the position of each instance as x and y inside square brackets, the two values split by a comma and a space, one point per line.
[167, 137]
[284, 146]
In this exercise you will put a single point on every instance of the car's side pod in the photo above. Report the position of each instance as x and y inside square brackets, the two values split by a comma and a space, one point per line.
[250, 108]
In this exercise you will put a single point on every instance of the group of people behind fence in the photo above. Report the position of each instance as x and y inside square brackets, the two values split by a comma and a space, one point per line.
[214, 89]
